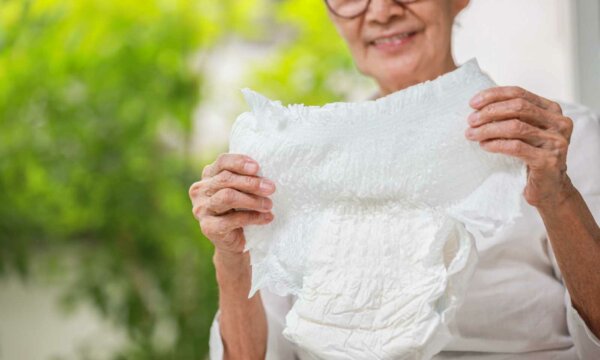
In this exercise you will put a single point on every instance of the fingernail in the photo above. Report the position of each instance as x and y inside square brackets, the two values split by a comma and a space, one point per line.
[266, 185]
[250, 166]
[469, 133]
[476, 100]
[268, 216]
[266, 204]
[473, 118]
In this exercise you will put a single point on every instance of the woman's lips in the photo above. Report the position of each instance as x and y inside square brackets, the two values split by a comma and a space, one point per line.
[393, 43]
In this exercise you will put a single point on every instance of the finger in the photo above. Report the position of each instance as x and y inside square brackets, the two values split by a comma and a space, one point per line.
[564, 126]
[508, 129]
[194, 189]
[238, 163]
[222, 225]
[533, 156]
[228, 199]
[248, 184]
[502, 93]
[512, 109]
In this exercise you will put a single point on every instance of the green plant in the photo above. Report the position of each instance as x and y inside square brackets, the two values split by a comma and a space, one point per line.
[96, 101]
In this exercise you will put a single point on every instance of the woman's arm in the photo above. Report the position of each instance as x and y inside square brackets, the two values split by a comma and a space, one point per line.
[516, 122]
[242, 321]
[228, 184]
[575, 239]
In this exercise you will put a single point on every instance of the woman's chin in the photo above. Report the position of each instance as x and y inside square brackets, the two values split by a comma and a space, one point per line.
[396, 75]
[400, 66]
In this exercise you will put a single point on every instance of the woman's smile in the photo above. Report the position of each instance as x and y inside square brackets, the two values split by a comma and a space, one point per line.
[393, 43]
[400, 45]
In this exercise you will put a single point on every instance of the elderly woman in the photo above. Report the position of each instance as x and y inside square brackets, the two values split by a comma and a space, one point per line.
[536, 291]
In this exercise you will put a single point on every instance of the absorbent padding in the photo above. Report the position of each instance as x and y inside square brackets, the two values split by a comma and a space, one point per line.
[376, 209]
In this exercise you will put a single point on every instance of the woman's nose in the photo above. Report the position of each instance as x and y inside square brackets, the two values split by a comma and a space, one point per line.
[382, 10]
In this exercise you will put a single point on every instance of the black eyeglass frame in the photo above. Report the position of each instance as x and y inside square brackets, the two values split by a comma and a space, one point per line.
[399, 2]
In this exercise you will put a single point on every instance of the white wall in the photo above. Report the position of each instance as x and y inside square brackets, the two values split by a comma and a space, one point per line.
[527, 43]
[587, 24]
[550, 47]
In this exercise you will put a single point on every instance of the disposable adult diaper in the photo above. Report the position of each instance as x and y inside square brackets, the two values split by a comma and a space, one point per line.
[376, 209]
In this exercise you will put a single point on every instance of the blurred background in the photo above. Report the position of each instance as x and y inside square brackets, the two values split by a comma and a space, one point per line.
[110, 109]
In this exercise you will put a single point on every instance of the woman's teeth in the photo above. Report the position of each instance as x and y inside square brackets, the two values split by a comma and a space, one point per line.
[392, 39]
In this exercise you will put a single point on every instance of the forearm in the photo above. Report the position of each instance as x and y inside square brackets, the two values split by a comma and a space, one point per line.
[242, 321]
[575, 239]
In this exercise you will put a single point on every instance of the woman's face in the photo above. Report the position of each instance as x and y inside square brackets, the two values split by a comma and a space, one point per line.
[401, 45]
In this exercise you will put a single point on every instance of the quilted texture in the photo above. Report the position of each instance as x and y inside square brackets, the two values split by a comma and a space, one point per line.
[376, 207]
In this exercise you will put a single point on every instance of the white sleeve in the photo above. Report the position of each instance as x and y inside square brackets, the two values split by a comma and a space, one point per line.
[278, 347]
[583, 162]
[586, 343]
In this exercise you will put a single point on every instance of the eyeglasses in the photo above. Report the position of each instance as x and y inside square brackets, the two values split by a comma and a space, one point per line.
[349, 9]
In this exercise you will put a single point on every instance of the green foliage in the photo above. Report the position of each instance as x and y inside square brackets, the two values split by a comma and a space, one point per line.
[302, 69]
[89, 92]
[96, 98]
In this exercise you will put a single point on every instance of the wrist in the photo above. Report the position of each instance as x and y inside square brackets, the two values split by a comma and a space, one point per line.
[560, 198]
[230, 259]
[232, 269]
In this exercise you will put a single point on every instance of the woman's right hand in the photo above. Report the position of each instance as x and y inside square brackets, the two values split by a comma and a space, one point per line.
[229, 196]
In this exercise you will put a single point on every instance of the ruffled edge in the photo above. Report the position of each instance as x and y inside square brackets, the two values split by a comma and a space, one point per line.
[462, 77]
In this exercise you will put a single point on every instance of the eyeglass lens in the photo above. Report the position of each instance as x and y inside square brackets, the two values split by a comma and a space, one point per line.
[352, 8]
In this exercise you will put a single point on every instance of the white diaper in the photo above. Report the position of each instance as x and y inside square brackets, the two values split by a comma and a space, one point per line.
[376, 206]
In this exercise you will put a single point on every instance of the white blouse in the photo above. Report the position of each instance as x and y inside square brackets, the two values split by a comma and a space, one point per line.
[516, 306]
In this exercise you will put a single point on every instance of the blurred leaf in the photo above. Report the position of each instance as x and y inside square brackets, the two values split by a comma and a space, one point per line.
[88, 181]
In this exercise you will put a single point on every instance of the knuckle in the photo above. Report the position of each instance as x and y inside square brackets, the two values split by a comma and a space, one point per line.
[555, 107]
[224, 178]
[561, 127]
[491, 109]
[520, 104]
[206, 170]
[514, 146]
[193, 190]
[221, 160]
[519, 91]
[561, 145]
[565, 125]
[216, 201]
[515, 127]
[569, 123]
[206, 225]
[197, 211]
[251, 182]
[228, 196]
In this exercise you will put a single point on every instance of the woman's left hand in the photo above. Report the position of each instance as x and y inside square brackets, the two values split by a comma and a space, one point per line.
[513, 121]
